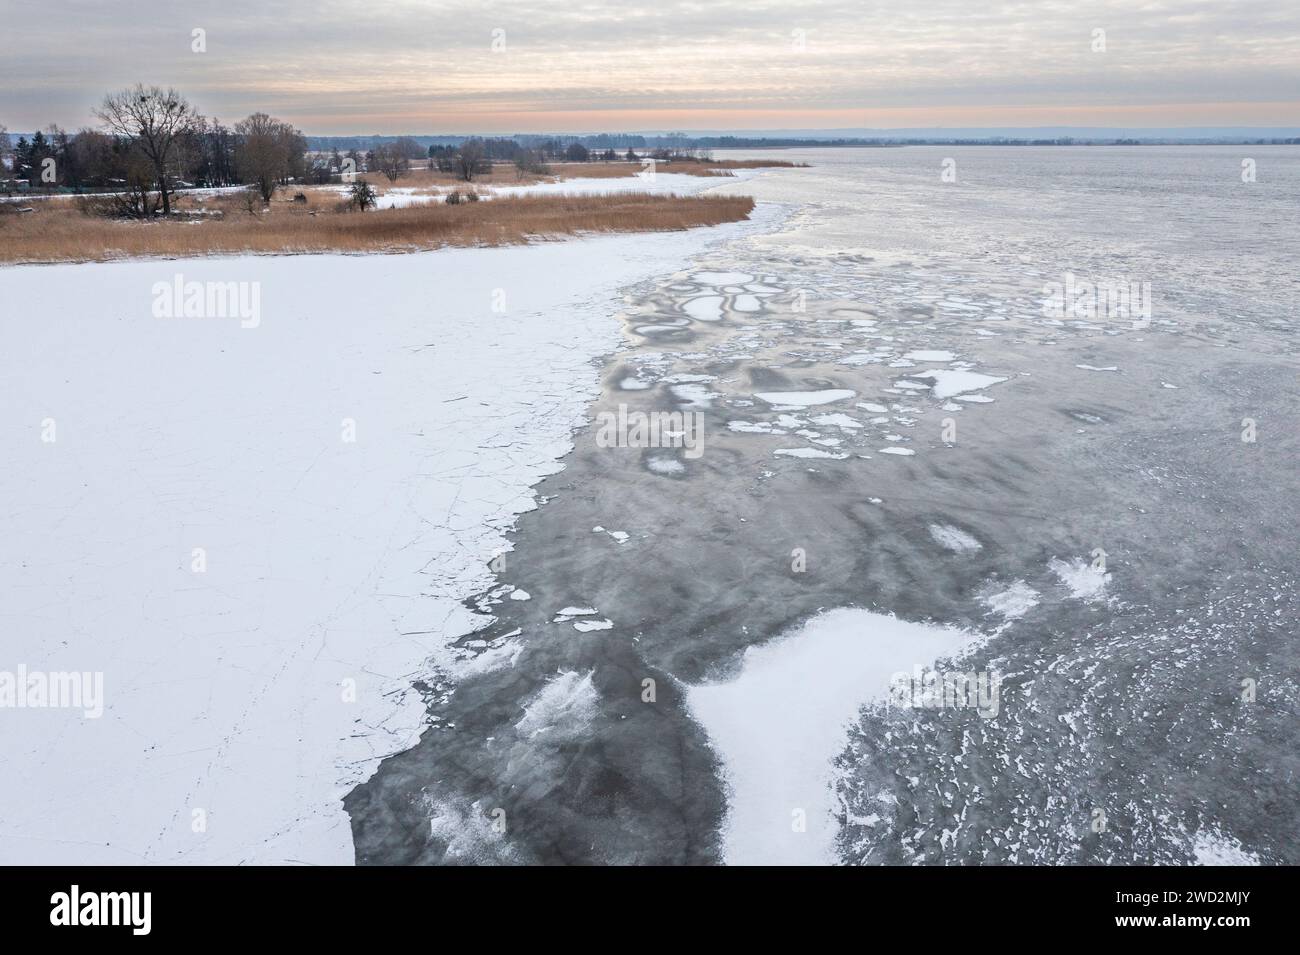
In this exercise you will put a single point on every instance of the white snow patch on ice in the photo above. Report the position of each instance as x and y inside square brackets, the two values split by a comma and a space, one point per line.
[954, 539]
[470, 832]
[1212, 847]
[803, 399]
[1014, 602]
[575, 612]
[753, 427]
[1083, 580]
[693, 395]
[809, 453]
[706, 308]
[562, 709]
[778, 725]
[662, 465]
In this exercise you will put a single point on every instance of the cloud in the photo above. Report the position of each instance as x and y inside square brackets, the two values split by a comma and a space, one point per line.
[431, 65]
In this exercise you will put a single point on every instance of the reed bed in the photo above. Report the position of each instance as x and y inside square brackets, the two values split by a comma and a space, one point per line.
[58, 231]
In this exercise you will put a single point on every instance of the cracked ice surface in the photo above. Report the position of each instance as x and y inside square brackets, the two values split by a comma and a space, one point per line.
[228, 705]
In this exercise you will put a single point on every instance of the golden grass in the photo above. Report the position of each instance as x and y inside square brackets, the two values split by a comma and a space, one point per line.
[755, 164]
[57, 231]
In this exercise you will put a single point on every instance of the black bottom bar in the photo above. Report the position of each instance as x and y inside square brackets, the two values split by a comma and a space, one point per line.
[333, 905]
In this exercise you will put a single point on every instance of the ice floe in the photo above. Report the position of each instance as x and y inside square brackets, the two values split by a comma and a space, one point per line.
[838, 421]
[804, 399]
[809, 453]
[706, 308]
[949, 382]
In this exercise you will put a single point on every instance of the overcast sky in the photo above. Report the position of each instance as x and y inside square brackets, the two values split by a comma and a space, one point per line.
[429, 66]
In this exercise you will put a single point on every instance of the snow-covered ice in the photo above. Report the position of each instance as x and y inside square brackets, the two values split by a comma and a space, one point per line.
[1211, 847]
[1084, 580]
[262, 535]
[706, 308]
[781, 721]
[1013, 602]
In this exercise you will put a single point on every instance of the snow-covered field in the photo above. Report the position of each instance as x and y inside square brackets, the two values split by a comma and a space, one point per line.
[400, 197]
[260, 531]
[677, 183]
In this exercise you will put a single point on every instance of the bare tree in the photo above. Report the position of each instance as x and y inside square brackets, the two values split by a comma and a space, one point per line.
[408, 147]
[529, 163]
[391, 160]
[267, 152]
[470, 160]
[158, 122]
[92, 158]
[133, 197]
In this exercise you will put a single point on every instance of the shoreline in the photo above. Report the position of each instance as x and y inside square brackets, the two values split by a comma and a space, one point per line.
[214, 223]
[519, 396]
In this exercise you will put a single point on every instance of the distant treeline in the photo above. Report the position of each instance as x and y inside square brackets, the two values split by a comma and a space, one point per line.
[152, 141]
[529, 141]
[554, 146]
